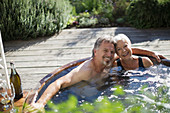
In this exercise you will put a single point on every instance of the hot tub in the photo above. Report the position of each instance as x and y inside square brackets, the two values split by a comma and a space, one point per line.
[132, 82]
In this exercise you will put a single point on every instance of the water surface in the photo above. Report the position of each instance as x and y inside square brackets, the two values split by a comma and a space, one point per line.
[132, 82]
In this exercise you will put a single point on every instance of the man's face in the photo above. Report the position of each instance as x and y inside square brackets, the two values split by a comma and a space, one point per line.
[105, 53]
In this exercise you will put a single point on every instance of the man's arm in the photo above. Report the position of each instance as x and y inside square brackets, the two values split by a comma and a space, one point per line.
[142, 52]
[50, 91]
[76, 75]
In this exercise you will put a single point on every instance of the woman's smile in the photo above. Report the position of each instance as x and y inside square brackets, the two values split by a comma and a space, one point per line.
[125, 54]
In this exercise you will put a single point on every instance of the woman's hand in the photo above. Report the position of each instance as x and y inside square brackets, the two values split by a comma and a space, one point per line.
[156, 57]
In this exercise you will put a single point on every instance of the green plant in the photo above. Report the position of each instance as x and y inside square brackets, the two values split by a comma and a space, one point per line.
[164, 14]
[85, 5]
[149, 13]
[85, 20]
[107, 12]
[119, 12]
[22, 19]
[99, 106]
[146, 101]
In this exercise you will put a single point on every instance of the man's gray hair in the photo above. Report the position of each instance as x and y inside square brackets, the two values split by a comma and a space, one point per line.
[100, 40]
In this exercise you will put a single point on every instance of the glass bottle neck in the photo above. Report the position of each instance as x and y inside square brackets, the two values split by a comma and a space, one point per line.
[13, 68]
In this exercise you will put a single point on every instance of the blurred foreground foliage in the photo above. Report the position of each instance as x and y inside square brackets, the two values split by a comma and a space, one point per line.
[144, 102]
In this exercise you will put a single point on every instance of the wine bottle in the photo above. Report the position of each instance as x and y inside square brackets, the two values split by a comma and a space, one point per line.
[15, 79]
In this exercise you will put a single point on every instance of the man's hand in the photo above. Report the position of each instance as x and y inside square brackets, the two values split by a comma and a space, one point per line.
[34, 108]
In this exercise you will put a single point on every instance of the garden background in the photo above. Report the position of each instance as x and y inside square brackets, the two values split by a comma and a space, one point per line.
[25, 19]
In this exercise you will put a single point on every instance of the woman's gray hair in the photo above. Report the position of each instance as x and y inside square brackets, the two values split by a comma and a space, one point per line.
[100, 40]
[122, 37]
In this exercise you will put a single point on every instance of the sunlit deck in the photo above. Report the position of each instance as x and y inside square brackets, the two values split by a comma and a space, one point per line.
[35, 58]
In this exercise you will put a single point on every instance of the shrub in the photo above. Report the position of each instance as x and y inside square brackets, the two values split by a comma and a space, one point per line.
[119, 12]
[164, 6]
[85, 20]
[22, 19]
[107, 12]
[85, 5]
[149, 13]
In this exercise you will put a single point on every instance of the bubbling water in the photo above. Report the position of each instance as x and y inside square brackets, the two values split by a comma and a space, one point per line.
[149, 85]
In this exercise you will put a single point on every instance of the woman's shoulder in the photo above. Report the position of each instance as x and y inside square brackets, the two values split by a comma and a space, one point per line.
[145, 58]
[146, 62]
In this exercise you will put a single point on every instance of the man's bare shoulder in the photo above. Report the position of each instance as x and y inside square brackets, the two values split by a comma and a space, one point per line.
[82, 72]
[86, 65]
[85, 70]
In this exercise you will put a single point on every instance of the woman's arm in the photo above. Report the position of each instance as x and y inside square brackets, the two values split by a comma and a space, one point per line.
[142, 52]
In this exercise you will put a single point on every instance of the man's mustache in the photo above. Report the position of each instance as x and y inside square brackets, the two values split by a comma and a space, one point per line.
[108, 58]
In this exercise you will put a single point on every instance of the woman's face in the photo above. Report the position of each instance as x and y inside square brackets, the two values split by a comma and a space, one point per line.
[123, 49]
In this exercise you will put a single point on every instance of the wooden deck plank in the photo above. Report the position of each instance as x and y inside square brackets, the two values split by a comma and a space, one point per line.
[84, 50]
[35, 58]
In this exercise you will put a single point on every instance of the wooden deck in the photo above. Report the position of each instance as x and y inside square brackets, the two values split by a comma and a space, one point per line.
[34, 59]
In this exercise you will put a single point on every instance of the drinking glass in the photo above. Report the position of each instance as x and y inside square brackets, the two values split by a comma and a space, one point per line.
[5, 98]
[11, 96]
